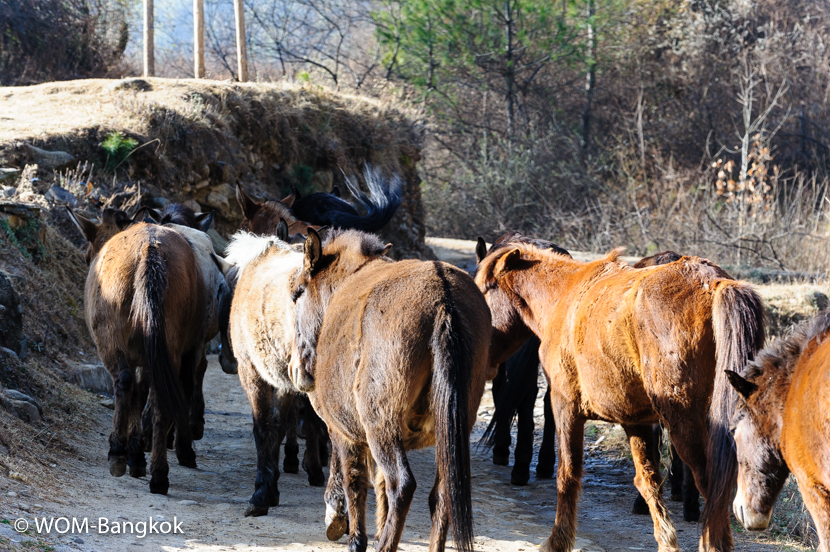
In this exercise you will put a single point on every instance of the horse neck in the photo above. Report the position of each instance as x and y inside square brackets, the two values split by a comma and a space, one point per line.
[541, 288]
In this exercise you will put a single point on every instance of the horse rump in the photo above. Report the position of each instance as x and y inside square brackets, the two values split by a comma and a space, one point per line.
[148, 316]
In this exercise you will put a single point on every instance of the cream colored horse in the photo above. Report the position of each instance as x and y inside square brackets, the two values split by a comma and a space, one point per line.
[262, 332]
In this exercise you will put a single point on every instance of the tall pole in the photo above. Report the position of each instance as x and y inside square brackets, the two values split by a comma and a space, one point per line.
[149, 55]
[241, 48]
[199, 39]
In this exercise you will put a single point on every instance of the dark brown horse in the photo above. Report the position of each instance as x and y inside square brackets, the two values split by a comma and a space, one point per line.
[144, 304]
[635, 347]
[396, 353]
[782, 424]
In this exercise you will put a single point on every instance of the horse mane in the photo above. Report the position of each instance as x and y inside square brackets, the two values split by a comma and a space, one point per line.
[513, 237]
[368, 244]
[784, 353]
[244, 247]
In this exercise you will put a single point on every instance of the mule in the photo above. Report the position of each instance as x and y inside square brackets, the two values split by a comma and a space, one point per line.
[634, 347]
[394, 356]
[781, 425]
[144, 303]
[262, 333]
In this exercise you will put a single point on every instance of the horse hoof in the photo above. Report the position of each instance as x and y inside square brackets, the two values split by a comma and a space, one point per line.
[547, 546]
[291, 467]
[357, 544]
[501, 459]
[316, 478]
[138, 471]
[159, 487]
[256, 511]
[188, 463]
[274, 500]
[676, 497]
[520, 476]
[336, 524]
[118, 466]
[544, 472]
[640, 507]
[197, 431]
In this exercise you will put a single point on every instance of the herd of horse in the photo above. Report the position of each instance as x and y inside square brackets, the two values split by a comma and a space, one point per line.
[379, 357]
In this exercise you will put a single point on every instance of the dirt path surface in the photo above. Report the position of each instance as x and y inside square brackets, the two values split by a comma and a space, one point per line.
[209, 502]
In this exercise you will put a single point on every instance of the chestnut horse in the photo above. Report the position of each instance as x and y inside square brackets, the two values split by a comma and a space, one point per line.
[396, 355]
[634, 347]
[144, 303]
[782, 424]
[262, 332]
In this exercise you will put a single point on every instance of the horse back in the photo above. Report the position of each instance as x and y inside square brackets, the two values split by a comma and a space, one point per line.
[114, 277]
[632, 335]
[805, 435]
[377, 340]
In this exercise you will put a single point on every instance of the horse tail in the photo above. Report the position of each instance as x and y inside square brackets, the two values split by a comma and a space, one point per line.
[381, 204]
[521, 373]
[738, 325]
[148, 317]
[451, 381]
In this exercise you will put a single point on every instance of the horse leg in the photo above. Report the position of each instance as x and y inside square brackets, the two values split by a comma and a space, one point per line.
[501, 449]
[184, 439]
[381, 502]
[676, 476]
[197, 405]
[570, 429]
[691, 496]
[640, 506]
[650, 484]
[147, 424]
[123, 385]
[159, 469]
[135, 449]
[547, 452]
[440, 515]
[815, 499]
[335, 498]
[355, 473]
[524, 437]
[315, 432]
[400, 488]
[261, 396]
[290, 425]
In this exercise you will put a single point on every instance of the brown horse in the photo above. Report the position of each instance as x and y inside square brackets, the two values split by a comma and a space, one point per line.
[262, 333]
[396, 353]
[782, 424]
[634, 347]
[144, 304]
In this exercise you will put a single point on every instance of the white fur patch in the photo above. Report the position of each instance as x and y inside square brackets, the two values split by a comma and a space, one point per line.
[244, 247]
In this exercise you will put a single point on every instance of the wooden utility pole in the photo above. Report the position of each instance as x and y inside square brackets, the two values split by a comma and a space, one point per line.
[199, 39]
[149, 54]
[241, 47]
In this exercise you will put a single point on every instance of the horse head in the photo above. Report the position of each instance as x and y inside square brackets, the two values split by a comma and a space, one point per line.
[112, 222]
[262, 218]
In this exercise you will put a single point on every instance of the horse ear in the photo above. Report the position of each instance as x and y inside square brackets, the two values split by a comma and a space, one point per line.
[88, 228]
[313, 250]
[386, 249]
[122, 220]
[508, 262]
[282, 230]
[335, 191]
[289, 200]
[249, 206]
[223, 265]
[481, 250]
[741, 385]
[204, 220]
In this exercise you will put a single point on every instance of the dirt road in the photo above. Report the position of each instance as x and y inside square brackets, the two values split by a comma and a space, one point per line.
[209, 502]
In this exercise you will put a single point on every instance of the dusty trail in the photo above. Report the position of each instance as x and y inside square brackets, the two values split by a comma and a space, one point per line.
[209, 502]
